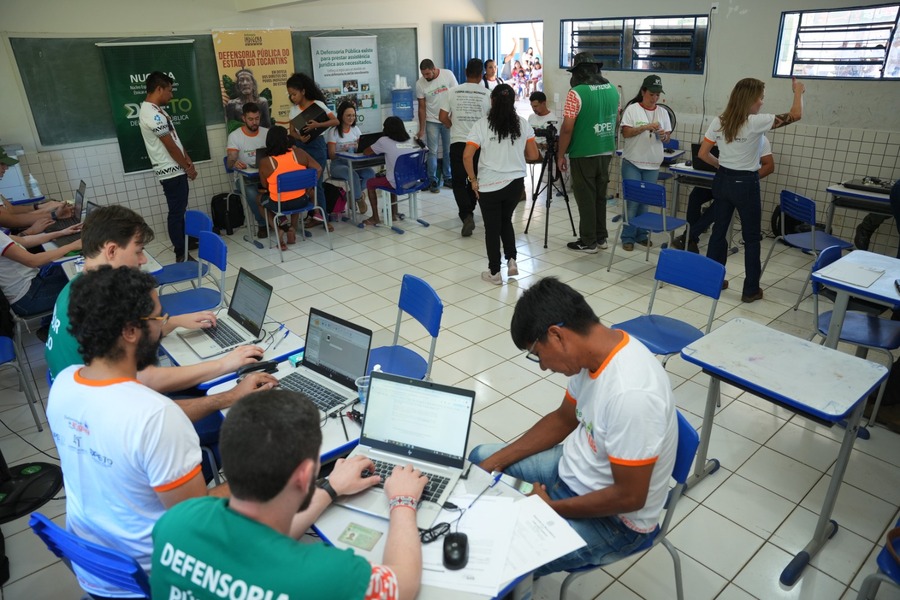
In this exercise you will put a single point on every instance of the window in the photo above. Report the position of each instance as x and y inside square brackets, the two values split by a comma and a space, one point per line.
[659, 44]
[856, 43]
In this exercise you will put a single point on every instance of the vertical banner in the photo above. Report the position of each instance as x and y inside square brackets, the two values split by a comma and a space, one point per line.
[346, 68]
[253, 67]
[127, 66]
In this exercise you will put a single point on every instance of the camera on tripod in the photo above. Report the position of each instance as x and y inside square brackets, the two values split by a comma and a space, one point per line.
[550, 135]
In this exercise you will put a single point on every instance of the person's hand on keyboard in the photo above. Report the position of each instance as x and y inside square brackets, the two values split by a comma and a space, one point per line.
[253, 382]
[196, 320]
[346, 477]
[240, 356]
[405, 481]
[39, 226]
[65, 211]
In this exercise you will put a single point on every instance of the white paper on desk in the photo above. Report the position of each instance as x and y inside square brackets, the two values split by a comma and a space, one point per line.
[541, 536]
[490, 525]
[858, 275]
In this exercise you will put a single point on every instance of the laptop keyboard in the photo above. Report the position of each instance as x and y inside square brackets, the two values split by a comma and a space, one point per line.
[321, 396]
[224, 335]
[433, 491]
[67, 239]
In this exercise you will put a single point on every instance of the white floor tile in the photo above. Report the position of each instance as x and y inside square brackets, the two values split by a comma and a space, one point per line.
[778, 473]
[715, 542]
[760, 578]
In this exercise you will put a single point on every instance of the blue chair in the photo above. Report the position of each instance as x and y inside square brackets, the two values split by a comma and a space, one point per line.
[109, 565]
[672, 144]
[411, 176]
[665, 335]
[303, 179]
[420, 301]
[813, 241]
[688, 441]
[888, 567]
[651, 194]
[214, 252]
[194, 222]
[860, 329]
[9, 358]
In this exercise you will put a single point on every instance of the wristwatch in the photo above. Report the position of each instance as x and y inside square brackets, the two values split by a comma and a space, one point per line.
[324, 484]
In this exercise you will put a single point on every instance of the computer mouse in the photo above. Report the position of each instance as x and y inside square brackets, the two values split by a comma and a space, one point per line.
[687, 163]
[456, 550]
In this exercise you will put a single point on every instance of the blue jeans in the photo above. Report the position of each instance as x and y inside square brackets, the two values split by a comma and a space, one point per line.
[252, 191]
[176, 191]
[436, 133]
[340, 170]
[737, 190]
[319, 152]
[42, 293]
[631, 234]
[608, 539]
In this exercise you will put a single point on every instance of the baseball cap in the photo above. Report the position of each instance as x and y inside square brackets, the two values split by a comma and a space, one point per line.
[584, 58]
[6, 159]
[654, 84]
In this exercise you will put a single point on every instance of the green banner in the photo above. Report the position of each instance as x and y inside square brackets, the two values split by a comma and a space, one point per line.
[127, 66]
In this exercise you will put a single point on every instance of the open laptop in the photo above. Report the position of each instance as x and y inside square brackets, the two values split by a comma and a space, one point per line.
[410, 421]
[62, 240]
[366, 140]
[698, 163]
[242, 325]
[335, 357]
[75, 219]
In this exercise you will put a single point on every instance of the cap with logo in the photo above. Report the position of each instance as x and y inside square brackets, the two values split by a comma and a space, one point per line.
[585, 58]
[654, 84]
[7, 159]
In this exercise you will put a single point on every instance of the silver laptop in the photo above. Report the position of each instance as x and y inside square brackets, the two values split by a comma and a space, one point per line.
[335, 357]
[242, 325]
[410, 421]
[75, 219]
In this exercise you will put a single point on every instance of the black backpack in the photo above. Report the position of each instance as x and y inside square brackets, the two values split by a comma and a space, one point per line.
[227, 213]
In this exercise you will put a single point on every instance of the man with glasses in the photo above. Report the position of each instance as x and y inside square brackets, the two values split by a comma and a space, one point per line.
[603, 459]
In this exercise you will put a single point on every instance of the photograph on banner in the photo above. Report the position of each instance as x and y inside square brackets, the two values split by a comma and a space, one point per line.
[253, 67]
[127, 66]
[346, 69]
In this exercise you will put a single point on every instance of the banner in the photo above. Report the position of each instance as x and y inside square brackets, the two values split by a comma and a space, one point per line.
[346, 68]
[127, 66]
[253, 67]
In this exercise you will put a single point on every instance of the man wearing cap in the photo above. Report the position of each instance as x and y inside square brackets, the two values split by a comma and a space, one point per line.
[588, 136]
[33, 218]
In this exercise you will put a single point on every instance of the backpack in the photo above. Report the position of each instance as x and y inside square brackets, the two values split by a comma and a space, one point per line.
[335, 198]
[227, 212]
[791, 225]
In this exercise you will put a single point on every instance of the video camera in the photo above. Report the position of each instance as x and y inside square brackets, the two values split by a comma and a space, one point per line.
[549, 133]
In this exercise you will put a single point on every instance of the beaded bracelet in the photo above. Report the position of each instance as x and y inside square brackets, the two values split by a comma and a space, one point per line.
[405, 501]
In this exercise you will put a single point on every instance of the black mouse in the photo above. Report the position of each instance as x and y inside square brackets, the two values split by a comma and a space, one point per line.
[456, 551]
[687, 163]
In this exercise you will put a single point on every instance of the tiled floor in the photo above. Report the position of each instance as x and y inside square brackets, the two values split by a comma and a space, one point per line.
[736, 529]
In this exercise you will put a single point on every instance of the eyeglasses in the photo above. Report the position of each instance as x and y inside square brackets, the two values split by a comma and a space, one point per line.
[531, 355]
[163, 318]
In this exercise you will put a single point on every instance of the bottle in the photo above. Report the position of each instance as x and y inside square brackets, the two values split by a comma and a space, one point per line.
[33, 189]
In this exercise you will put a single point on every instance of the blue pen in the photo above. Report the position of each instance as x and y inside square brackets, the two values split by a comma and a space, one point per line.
[269, 345]
[495, 477]
[286, 332]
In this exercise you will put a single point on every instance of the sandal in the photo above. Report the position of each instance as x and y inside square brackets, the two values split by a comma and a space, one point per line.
[291, 236]
[371, 221]
[361, 206]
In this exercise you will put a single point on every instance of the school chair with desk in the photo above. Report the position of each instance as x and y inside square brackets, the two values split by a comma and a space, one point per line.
[303, 179]
[194, 222]
[411, 177]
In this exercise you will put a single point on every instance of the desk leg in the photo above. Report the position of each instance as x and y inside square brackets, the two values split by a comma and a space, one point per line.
[826, 527]
[702, 466]
[841, 301]
[830, 218]
[242, 184]
[354, 193]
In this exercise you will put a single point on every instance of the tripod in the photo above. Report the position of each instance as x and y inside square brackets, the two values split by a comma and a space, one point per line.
[554, 181]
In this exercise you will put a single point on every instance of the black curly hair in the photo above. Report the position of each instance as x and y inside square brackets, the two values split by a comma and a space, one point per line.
[306, 84]
[502, 118]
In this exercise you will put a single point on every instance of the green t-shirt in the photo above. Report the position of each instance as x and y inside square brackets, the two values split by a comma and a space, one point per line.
[204, 550]
[595, 126]
[61, 350]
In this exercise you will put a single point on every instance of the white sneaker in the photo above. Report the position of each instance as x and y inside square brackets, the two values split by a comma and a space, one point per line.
[512, 267]
[603, 245]
[495, 278]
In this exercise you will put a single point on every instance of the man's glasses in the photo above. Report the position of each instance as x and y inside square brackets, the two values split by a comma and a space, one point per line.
[163, 318]
[531, 355]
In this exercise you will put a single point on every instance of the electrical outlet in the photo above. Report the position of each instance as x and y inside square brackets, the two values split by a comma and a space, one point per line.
[714, 7]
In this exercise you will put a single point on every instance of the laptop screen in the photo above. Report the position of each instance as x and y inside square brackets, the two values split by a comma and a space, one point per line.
[418, 418]
[336, 348]
[79, 199]
[250, 301]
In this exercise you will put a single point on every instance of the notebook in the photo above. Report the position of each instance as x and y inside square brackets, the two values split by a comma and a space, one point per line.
[242, 325]
[366, 140]
[75, 219]
[313, 112]
[62, 240]
[698, 163]
[410, 421]
[335, 357]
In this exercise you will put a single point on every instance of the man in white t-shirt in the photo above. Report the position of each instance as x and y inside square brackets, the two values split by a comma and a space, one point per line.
[241, 147]
[172, 165]
[603, 459]
[430, 87]
[462, 107]
[541, 117]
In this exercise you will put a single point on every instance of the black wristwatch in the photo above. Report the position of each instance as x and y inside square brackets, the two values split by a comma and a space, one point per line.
[324, 484]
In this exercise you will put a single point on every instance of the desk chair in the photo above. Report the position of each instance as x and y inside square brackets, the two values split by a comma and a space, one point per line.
[213, 251]
[860, 329]
[888, 568]
[109, 565]
[665, 335]
[813, 241]
[651, 194]
[672, 144]
[9, 358]
[688, 441]
[28, 324]
[420, 301]
[194, 222]
[411, 176]
[302, 179]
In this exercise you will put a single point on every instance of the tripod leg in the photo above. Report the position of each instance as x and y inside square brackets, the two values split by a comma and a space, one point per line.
[536, 195]
[565, 195]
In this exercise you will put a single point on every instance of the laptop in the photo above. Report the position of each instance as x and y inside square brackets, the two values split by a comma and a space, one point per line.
[698, 163]
[75, 219]
[242, 325]
[62, 240]
[366, 140]
[410, 421]
[335, 356]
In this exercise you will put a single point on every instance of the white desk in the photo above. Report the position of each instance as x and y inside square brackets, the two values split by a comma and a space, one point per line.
[75, 265]
[848, 198]
[354, 162]
[804, 377]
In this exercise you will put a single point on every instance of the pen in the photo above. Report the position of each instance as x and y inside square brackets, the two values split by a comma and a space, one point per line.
[344, 425]
[495, 477]
[269, 345]
[282, 338]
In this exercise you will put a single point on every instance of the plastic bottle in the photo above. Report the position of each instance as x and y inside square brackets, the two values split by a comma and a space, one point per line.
[33, 188]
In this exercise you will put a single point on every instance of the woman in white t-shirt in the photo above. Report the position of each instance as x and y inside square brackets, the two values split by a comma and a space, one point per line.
[506, 140]
[395, 142]
[737, 132]
[344, 138]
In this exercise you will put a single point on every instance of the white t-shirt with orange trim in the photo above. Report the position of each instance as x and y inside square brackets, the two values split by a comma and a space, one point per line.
[247, 143]
[626, 414]
[119, 443]
[500, 162]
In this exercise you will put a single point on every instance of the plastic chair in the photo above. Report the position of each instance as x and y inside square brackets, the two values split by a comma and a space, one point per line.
[111, 566]
[688, 441]
[651, 194]
[194, 222]
[803, 209]
[302, 179]
[214, 252]
[29, 324]
[9, 358]
[419, 300]
[411, 176]
[665, 335]
[672, 144]
[888, 570]
[860, 329]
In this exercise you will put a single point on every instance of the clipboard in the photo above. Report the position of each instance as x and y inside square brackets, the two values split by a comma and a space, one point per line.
[313, 112]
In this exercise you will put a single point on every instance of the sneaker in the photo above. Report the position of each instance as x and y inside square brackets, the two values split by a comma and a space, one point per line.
[512, 269]
[645, 243]
[693, 247]
[752, 297]
[495, 278]
[435, 188]
[184, 258]
[725, 285]
[448, 183]
[582, 247]
[468, 226]
[602, 245]
[627, 246]
[678, 242]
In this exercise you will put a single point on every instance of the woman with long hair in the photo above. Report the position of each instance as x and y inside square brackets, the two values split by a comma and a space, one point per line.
[645, 128]
[395, 142]
[506, 140]
[737, 133]
[344, 138]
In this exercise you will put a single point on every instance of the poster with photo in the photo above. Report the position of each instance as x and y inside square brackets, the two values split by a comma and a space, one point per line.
[346, 68]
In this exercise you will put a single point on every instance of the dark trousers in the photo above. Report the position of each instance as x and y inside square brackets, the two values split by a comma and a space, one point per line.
[462, 191]
[42, 293]
[496, 212]
[590, 179]
[737, 190]
[696, 218]
[176, 190]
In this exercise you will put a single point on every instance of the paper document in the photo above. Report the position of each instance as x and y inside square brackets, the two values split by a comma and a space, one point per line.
[858, 275]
